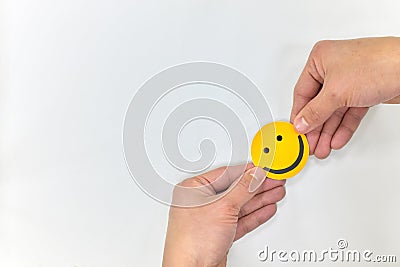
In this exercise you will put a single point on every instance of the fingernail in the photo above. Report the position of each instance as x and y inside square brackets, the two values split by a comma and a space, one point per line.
[301, 125]
[258, 175]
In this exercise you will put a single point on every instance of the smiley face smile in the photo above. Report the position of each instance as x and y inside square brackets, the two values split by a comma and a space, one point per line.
[295, 163]
[279, 150]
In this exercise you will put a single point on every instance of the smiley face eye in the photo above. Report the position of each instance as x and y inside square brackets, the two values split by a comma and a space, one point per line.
[279, 138]
[266, 150]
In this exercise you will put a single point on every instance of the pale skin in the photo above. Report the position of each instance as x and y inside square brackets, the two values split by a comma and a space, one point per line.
[202, 236]
[340, 81]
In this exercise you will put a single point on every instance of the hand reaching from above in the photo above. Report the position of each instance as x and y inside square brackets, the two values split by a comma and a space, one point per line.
[340, 81]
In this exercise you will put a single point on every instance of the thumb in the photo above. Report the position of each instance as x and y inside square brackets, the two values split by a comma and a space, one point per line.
[316, 112]
[246, 186]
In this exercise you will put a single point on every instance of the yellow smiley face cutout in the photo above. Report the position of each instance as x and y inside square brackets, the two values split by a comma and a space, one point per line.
[279, 150]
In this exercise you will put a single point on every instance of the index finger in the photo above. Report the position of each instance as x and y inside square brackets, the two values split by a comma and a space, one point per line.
[306, 88]
[205, 188]
[221, 178]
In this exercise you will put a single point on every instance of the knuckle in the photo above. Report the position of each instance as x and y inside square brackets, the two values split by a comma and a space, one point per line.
[328, 132]
[198, 185]
[334, 95]
[242, 212]
[339, 113]
[221, 170]
[334, 98]
[189, 182]
[230, 209]
[185, 182]
[264, 200]
[244, 182]
[180, 189]
[347, 128]
[356, 117]
[194, 181]
[320, 46]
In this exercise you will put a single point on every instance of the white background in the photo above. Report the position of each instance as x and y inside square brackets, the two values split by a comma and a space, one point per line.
[68, 70]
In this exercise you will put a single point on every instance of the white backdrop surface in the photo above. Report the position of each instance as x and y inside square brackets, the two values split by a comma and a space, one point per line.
[68, 70]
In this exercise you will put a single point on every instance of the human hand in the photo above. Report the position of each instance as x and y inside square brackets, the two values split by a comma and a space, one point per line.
[340, 81]
[203, 235]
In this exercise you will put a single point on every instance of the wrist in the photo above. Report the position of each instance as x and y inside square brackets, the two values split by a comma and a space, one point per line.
[185, 256]
[177, 254]
[177, 259]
